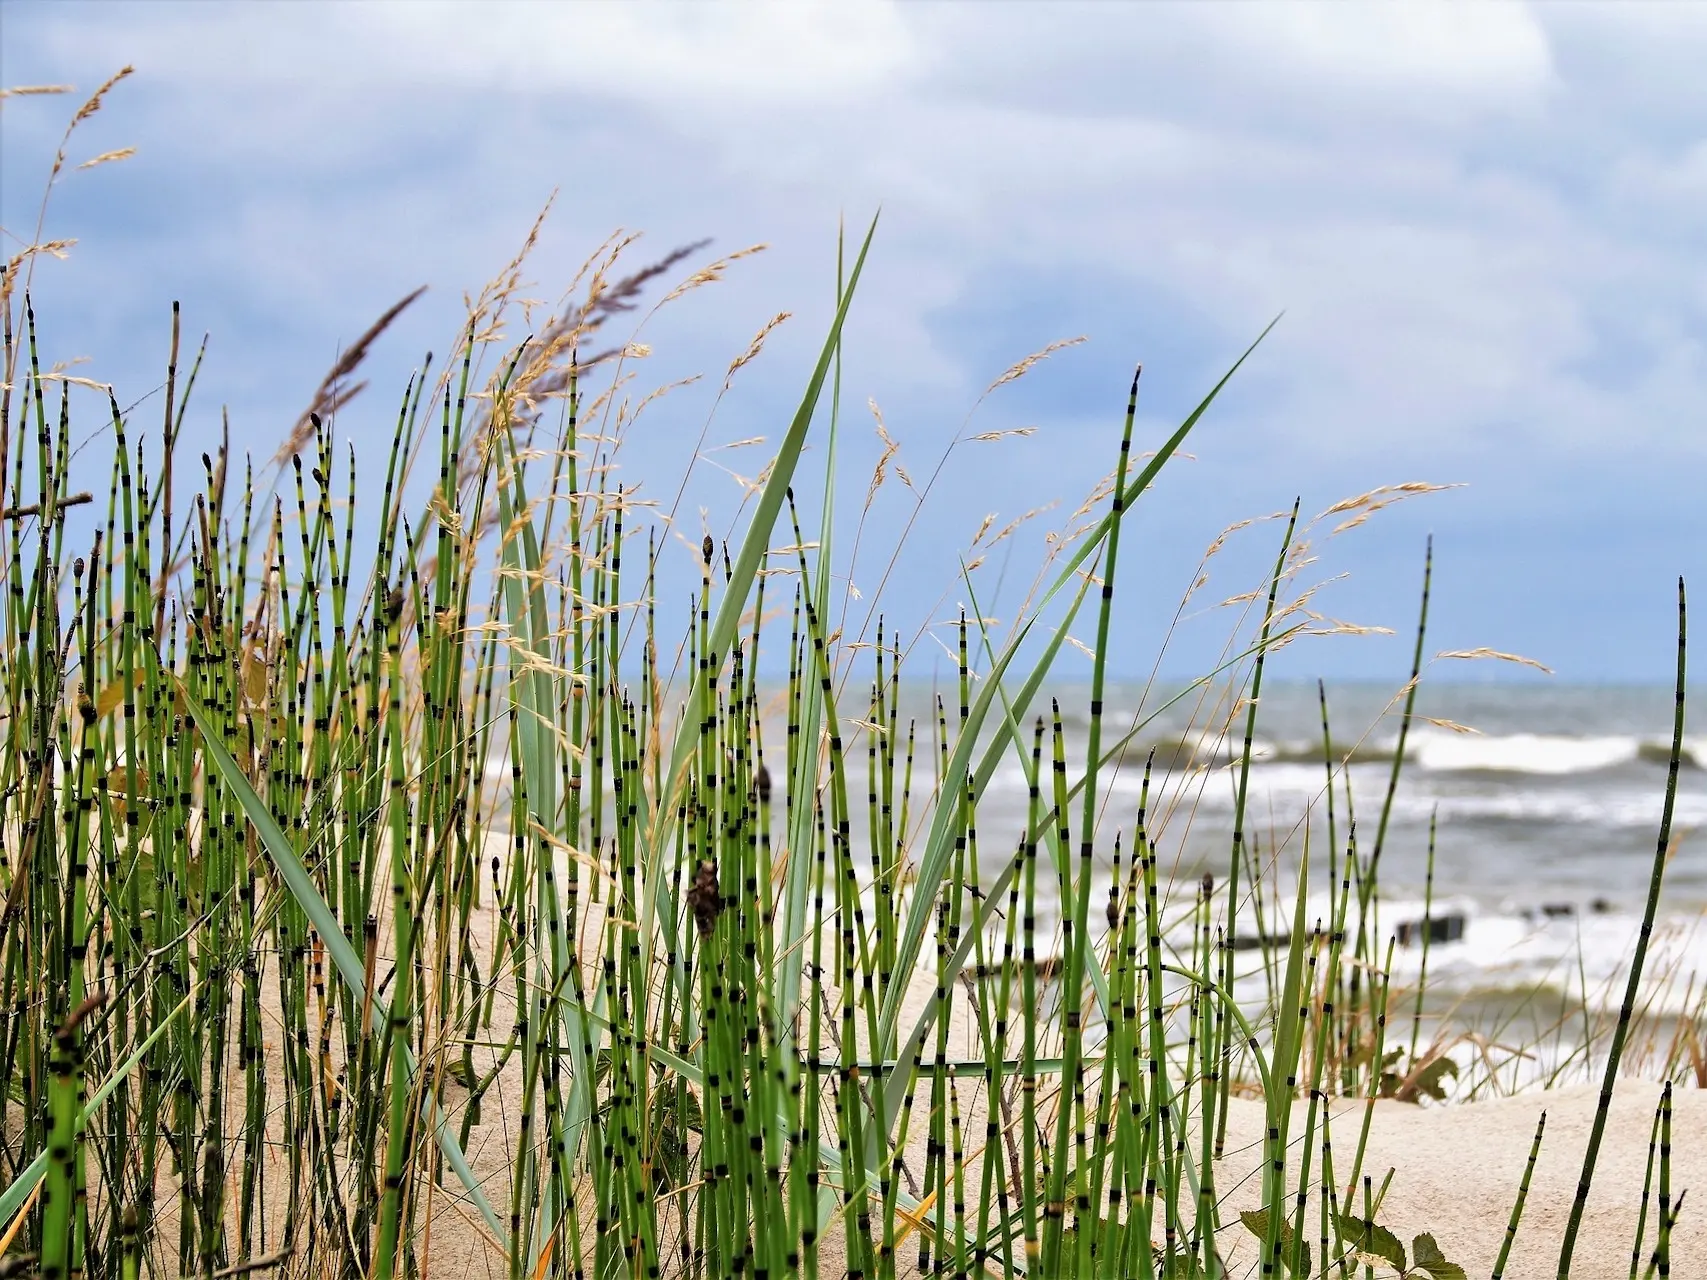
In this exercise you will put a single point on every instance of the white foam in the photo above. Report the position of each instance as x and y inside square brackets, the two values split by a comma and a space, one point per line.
[1286, 789]
[1438, 750]
[1584, 955]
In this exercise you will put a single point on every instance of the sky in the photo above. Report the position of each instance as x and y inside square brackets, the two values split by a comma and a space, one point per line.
[1483, 228]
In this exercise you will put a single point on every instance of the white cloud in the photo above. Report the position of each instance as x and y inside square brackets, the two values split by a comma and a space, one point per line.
[751, 54]
[1452, 202]
[1429, 53]
[1487, 224]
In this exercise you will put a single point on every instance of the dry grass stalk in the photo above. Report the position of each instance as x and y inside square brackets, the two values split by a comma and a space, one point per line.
[754, 347]
[1025, 366]
[33, 90]
[334, 391]
[107, 157]
[1494, 655]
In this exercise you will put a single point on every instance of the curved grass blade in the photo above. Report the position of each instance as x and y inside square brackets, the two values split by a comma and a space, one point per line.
[344, 955]
[15, 1196]
[934, 861]
[755, 544]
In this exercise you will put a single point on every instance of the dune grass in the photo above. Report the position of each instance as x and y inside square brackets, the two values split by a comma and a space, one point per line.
[372, 875]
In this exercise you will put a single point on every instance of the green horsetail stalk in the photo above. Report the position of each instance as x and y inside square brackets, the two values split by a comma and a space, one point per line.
[1633, 985]
[645, 1000]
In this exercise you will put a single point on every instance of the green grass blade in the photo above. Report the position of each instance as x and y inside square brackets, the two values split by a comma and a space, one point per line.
[1633, 985]
[344, 955]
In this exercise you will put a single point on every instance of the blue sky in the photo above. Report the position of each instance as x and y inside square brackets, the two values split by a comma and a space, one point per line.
[1486, 226]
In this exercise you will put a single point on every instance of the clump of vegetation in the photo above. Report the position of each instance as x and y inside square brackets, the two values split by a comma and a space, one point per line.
[376, 896]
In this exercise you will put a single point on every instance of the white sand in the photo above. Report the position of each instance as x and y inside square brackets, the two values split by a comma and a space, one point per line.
[1456, 1172]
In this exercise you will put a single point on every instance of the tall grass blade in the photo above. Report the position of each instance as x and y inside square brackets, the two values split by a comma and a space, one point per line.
[1633, 984]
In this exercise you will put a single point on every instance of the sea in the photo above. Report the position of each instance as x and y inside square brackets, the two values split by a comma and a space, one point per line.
[1542, 803]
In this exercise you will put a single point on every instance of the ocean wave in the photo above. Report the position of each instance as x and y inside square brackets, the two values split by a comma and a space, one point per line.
[1285, 790]
[1548, 755]
[1431, 750]
[1289, 788]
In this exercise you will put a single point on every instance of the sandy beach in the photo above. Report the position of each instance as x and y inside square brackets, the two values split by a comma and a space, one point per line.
[1456, 1170]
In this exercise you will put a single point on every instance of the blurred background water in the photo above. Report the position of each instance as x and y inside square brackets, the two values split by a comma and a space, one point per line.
[1545, 800]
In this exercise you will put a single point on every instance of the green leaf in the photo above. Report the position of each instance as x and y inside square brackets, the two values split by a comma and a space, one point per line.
[1368, 1236]
[756, 543]
[1430, 1080]
[1256, 1222]
[1426, 1256]
[1178, 1265]
[933, 861]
